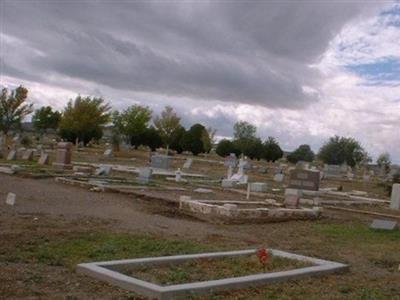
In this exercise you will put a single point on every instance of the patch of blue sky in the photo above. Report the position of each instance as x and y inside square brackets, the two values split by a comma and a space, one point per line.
[382, 70]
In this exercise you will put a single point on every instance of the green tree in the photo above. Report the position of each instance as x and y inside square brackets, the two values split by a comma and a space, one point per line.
[338, 150]
[303, 152]
[192, 140]
[244, 130]
[225, 147]
[148, 137]
[166, 124]
[132, 122]
[384, 162]
[45, 118]
[271, 150]
[177, 139]
[83, 119]
[13, 108]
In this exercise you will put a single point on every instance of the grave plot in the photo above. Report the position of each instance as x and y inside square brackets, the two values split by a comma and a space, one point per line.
[207, 272]
[236, 212]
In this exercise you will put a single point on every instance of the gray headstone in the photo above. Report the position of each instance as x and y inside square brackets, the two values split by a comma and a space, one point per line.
[145, 175]
[231, 161]
[103, 171]
[159, 161]
[44, 159]
[28, 155]
[12, 155]
[259, 187]
[383, 224]
[395, 198]
[108, 153]
[304, 180]
[227, 183]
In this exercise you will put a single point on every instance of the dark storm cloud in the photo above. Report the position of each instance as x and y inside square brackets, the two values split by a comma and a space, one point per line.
[245, 52]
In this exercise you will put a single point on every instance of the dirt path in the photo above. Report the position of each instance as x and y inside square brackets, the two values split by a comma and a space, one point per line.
[49, 197]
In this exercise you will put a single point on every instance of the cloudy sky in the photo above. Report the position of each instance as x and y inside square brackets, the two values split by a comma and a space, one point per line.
[300, 71]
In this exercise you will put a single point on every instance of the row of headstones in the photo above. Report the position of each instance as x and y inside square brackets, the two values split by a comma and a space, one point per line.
[28, 155]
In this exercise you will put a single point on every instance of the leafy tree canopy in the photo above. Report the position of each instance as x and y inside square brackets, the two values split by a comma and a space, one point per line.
[13, 108]
[45, 118]
[84, 118]
[166, 124]
[303, 152]
[338, 150]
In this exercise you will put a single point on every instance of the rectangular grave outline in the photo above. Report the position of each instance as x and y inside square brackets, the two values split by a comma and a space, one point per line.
[100, 271]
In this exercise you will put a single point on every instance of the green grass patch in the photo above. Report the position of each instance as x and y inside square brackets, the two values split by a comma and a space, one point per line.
[212, 269]
[69, 251]
[360, 233]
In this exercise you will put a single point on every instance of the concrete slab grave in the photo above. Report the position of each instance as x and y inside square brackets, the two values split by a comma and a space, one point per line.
[110, 271]
[383, 224]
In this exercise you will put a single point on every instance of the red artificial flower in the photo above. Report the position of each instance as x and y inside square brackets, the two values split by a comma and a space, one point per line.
[263, 256]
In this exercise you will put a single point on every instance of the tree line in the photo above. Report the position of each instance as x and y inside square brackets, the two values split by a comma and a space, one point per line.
[85, 118]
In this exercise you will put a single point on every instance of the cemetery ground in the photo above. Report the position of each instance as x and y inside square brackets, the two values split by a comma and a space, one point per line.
[54, 226]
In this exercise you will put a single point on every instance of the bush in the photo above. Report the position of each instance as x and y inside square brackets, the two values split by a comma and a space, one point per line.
[226, 147]
[303, 152]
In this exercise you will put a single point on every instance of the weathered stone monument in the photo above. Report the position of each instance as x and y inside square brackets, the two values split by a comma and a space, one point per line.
[292, 198]
[395, 198]
[279, 177]
[10, 200]
[43, 159]
[12, 155]
[159, 161]
[63, 156]
[108, 153]
[145, 175]
[178, 175]
[304, 180]
[383, 224]
[188, 163]
[231, 161]
[28, 155]
[259, 187]
[103, 170]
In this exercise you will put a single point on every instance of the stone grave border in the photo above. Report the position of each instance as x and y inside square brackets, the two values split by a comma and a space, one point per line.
[108, 271]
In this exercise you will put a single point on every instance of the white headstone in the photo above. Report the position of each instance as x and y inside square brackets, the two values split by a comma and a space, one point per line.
[10, 200]
[108, 153]
[103, 171]
[178, 175]
[395, 199]
[188, 163]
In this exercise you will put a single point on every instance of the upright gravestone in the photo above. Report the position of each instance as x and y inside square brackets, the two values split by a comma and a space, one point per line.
[145, 175]
[44, 159]
[304, 180]
[188, 163]
[63, 156]
[332, 171]
[279, 177]
[159, 161]
[108, 153]
[12, 155]
[231, 161]
[395, 198]
[28, 155]
[292, 198]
